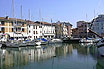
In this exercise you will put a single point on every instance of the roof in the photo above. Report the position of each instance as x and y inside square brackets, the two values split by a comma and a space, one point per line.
[44, 23]
[31, 22]
[11, 19]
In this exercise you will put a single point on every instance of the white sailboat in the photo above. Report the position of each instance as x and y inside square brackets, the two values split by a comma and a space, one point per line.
[13, 43]
[40, 42]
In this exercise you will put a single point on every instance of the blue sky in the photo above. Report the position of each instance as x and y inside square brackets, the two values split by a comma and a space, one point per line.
[58, 10]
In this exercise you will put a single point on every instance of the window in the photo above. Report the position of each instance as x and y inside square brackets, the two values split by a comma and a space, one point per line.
[40, 31]
[12, 29]
[34, 32]
[40, 26]
[23, 30]
[23, 24]
[12, 23]
[36, 36]
[2, 22]
[16, 29]
[29, 31]
[36, 27]
[29, 25]
[2, 29]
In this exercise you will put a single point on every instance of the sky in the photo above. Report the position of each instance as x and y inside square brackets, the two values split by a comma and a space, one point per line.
[57, 10]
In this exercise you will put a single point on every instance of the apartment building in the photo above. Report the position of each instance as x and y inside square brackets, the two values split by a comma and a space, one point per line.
[40, 30]
[34, 30]
[75, 33]
[83, 27]
[16, 28]
[98, 25]
[63, 29]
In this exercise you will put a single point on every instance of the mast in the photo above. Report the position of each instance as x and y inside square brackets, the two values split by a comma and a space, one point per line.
[87, 24]
[13, 17]
[21, 11]
[29, 15]
[40, 21]
[51, 27]
[13, 7]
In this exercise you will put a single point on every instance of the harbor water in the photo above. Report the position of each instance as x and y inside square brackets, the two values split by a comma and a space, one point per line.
[54, 56]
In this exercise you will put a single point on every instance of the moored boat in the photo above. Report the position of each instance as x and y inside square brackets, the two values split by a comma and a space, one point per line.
[84, 40]
[23, 44]
[100, 46]
[55, 41]
[41, 41]
[12, 44]
[30, 43]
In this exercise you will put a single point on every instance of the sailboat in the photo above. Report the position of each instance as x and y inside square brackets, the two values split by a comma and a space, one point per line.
[40, 41]
[13, 43]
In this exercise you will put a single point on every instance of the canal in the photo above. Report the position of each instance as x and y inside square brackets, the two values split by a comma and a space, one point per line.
[56, 56]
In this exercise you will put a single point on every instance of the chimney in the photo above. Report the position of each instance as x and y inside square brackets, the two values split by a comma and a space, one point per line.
[7, 17]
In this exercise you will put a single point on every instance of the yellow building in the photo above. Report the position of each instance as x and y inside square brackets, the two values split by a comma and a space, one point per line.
[14, 27]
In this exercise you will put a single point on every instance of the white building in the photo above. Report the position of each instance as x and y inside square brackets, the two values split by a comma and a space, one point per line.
[34, 30]
[40, 30]
[98, 25]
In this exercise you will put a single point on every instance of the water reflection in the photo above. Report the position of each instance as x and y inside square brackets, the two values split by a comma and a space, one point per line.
[72, 55]
[100, 63]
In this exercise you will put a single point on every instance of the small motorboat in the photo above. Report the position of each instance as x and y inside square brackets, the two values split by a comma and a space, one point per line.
[55, 41]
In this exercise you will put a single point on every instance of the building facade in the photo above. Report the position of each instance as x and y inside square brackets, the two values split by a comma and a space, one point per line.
[63, 29]
[83, 27]
[34, 30]
[98, 25]
[75, 33]
[16, 28]
[40, 30]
